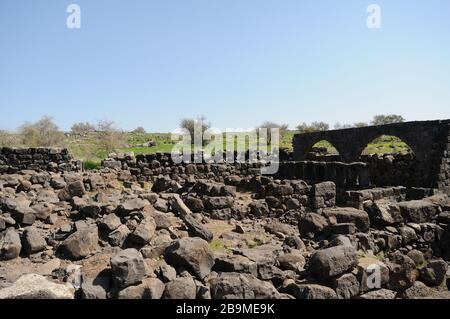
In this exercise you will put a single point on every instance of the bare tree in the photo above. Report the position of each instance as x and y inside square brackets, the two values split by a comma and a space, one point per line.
[82, 128]
[110, 138]
[387, 119]
[193, 125]
[8, 139]
[313, 127]
[43, 133]
[268, 125]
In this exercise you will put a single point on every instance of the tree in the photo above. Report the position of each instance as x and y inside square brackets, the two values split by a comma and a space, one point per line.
[271, 125]
[82, 128]
[360, 124]
[339, 126]
[387, 119]
[8, 139]
[110, 138]
[195, 126]
[313, 127]
[43, 133]
[139, 130]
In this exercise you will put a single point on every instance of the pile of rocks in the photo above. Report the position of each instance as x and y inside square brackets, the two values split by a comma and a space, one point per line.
[107, 234]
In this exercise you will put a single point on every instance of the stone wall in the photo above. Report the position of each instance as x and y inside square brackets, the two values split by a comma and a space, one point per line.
[429, 141]
[45, 159]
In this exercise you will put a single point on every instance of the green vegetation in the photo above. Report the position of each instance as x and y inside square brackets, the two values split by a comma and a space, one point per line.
[93, 143]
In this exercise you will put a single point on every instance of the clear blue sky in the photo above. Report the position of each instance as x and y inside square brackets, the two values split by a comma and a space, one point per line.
[238, 62]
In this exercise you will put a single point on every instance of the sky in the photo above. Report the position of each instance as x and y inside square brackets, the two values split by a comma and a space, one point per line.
[151, 63]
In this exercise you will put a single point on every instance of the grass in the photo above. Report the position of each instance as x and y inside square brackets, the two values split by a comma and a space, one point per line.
[85, 147]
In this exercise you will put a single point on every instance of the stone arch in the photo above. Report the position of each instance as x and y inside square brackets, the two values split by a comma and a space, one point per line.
[404, 145]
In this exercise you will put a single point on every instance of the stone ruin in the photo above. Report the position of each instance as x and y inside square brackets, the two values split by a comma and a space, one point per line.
[142, 227]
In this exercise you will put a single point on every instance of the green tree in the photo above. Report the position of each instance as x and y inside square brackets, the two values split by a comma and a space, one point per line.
[387, 119]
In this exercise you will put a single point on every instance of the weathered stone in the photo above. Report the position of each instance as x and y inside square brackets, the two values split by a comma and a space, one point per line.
[76, 189]
[332, 261]
[128, 268]
[192, 254]
[118, 236]
[403, 272]
[311, 291]
[132, 205]
[150, 288]
[383, 213]
[408, 235]
[32, 241]
[311, 224]
[144, 232]
[236, 263]
[379, 294]
[81, 244]
[10, 245]
[291, 261]
[241, 286]
[95, 288]
[259, 209]
[34, 286]
[346, 286]
[349, 215]
[180, 288]
[324, 195]
[417, 291]
[434, 273]
[197, 229]
[419, 211]
[110, 222]
[371, 273]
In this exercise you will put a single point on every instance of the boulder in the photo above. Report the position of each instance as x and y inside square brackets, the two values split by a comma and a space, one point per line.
[132, 205]
[371, 273]
[292, 261]
[128, 268]
[144, 232]
[379, 294]
[349, 215]
[434, 273]
[311, 291]
[417, 291]
[311, 224]
[402, 271]
[259, 208]
[419, 211]
[150, 288]
[241, 286]
[111, 222]
[76, 189]
[192, 254]
[34, 286]
[81, 244]
[93, 289]
[324, 195]
[333, 261]
[236, 263]
[346, 286]
[32, 241]
[118, 236]
[197, 229]
[383, 213]
[10, 245]
[180, 288]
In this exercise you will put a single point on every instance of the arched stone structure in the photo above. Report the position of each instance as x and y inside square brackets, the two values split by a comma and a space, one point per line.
[429, 140]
